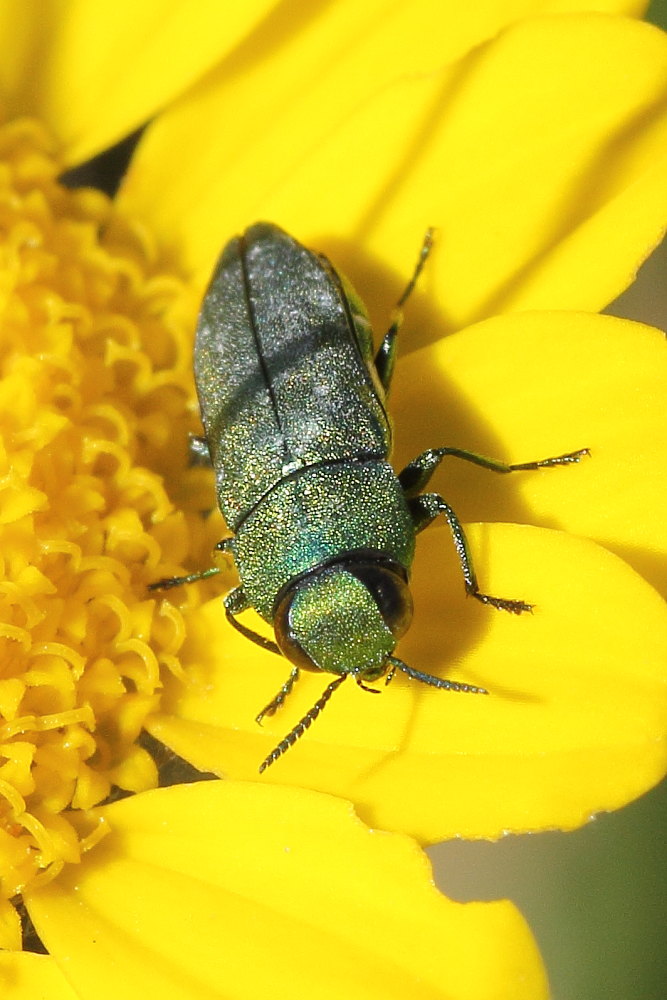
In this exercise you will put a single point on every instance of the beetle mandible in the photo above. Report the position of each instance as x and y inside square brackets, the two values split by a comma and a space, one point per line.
[293, 402]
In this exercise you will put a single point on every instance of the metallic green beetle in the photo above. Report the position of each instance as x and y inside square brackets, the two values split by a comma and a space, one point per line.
[293, 401]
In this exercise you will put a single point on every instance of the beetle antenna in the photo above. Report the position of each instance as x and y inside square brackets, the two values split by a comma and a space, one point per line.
[303, 725]
[437, 682]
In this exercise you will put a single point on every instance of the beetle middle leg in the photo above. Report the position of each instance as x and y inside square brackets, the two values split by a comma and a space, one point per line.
[424, 509]
[416, 475]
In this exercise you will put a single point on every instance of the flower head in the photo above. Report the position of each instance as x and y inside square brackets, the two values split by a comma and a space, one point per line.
[95, 381]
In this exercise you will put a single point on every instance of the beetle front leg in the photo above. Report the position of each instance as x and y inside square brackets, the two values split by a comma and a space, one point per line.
[416, 475]
[279, 700]
[235, 602]
[424, 509]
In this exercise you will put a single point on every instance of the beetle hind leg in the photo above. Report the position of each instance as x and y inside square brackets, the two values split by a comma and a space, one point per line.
[385, 358]
[424, 509]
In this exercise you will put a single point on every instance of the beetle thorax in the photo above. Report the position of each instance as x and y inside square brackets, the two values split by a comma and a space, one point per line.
[344, 618]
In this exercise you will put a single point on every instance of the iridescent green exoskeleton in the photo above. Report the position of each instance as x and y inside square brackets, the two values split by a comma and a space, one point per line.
[293, 401]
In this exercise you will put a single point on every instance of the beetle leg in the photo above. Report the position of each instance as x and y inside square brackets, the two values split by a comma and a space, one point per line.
[166, 583]
[390, 675]
[303, 725]
[365, 687]
[176, 581]
[385, 359]
[235, 602]
[198, 450]
[424, 509]
[439, 682]
[416, 475]
[279, 699]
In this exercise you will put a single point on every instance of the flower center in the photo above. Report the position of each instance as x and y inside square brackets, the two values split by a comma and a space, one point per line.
[95, 408]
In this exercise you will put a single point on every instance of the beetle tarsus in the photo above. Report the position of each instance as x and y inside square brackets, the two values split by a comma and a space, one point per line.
[502, 603]
[167, 582]
[571, 458]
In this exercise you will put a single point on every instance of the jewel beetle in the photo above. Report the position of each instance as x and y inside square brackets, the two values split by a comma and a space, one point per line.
[293, 400]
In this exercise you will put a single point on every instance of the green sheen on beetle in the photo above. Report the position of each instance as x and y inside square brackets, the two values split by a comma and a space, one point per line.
[293, 400]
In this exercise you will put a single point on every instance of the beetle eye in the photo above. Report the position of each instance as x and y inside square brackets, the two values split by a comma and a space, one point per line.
[391, 594]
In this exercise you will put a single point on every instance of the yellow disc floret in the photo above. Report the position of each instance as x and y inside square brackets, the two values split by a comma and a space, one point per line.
[95, 392]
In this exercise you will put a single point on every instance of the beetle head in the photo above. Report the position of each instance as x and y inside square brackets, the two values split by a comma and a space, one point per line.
[344, 618]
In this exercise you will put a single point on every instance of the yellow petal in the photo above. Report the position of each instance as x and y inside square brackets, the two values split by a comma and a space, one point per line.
[574, 722]
[529, 386]
[25, 976]
[95, 71]
[237, 890]
[10, 923]
[540, 158]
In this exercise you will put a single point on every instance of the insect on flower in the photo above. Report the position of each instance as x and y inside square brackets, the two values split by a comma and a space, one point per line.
[293, 401]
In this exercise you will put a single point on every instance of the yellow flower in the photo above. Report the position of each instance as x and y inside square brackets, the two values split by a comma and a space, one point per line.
[355, 126]
[542, 186]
